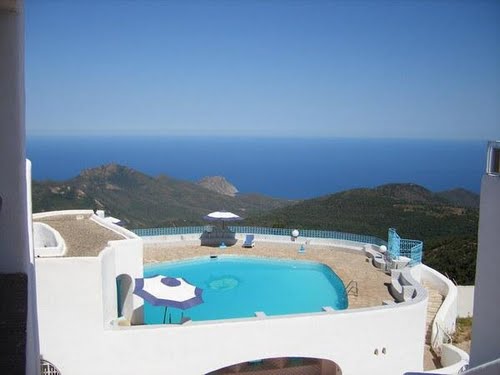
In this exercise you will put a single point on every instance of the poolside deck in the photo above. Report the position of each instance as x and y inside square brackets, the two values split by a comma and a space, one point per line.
[347, 264]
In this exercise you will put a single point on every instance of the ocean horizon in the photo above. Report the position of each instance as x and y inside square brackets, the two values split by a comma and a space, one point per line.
[279, 167]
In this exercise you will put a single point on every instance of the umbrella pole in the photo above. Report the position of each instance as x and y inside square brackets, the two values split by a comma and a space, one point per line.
[165, 315]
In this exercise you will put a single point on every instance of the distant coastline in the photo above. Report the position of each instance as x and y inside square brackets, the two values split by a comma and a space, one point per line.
[279, 167]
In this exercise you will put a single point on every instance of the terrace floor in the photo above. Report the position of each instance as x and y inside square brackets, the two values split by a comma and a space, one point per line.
[83, 236]
[347, 264]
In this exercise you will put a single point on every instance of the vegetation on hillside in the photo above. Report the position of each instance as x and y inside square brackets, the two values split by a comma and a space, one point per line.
[446, 222]
[143, 201]
[449, 231]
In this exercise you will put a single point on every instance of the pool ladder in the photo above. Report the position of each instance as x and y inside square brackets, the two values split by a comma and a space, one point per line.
[352, 286]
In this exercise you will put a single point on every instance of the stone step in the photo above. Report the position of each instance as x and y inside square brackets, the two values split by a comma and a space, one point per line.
[434, 302]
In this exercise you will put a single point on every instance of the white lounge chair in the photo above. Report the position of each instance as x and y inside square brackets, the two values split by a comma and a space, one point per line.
[249, 241]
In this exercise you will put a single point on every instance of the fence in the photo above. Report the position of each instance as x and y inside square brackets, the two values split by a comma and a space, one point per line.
[308, 233]
[168, 231]
[398, 246]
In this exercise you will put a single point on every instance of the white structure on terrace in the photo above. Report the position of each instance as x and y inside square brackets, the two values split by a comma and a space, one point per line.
[78, 305]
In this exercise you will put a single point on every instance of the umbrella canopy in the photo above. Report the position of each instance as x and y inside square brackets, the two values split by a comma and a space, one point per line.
[168, 291]
[222, 216]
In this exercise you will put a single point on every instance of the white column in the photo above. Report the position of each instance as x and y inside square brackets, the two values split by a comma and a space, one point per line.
[15, 211]
[13, 221]
[486, 318]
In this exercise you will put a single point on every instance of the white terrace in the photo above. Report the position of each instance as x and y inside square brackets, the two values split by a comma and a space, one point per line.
[382, 331]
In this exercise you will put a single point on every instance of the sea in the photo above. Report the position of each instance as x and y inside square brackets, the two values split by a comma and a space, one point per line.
[283, 168]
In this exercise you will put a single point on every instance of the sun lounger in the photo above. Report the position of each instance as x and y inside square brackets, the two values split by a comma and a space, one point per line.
[249, 241]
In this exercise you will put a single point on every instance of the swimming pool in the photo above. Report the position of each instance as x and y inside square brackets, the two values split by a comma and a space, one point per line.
[237, 287]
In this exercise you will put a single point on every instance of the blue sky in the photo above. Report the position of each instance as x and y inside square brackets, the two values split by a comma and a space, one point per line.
[407, 69]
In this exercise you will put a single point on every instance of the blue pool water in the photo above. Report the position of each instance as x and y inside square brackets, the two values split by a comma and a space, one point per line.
[237, 287]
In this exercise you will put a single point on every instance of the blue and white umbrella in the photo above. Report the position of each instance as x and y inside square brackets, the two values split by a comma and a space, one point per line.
[169, 292]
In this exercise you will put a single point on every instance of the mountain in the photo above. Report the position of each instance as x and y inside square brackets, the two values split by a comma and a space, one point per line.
[447, 228]
[415, 211]
[218, 184]
[460, 197]
[141, 200]
[446, 221]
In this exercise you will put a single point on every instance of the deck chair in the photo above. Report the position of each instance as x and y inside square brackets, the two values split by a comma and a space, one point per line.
[249, 241]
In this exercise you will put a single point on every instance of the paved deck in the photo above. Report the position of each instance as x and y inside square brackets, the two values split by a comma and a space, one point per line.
[83, 236]
[347, 264]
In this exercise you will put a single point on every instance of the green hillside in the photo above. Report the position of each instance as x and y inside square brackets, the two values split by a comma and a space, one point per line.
[141, 200]
[448, 230]
[446, 222]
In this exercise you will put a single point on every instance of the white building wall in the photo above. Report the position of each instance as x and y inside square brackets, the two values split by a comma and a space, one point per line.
[15, 208]
[348, 338]
[127, 260]
[32, 337]
[70, 311]
[486, 323]
[465, 300]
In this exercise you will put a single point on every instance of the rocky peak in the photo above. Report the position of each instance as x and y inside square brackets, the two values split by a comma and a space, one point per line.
[106, 171]
[218, 184]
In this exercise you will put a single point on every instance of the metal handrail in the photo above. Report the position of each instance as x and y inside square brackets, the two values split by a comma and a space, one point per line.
[437, 342]
[48, 368]
[352, 286]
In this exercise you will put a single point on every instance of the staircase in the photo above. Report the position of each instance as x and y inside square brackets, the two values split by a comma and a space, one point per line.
[433, 305]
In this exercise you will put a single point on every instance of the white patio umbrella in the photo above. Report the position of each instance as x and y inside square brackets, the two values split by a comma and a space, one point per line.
[222, 216]
[169, 292]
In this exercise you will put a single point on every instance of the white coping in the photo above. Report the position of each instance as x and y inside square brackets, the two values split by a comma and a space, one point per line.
[48, 242]
[41, 215]
[113, 227]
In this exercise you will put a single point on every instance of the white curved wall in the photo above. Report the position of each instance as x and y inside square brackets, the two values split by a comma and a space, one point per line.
[447, 314]
[349, 338]
[453, 359]
[47, 241]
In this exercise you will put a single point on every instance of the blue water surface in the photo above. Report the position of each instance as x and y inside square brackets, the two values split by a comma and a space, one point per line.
[237, 287]
[285, 168]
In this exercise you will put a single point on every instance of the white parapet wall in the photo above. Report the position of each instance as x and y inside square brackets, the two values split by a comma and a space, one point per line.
[454, 361]
[445, 320]
[195, 238]
[47, 241]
